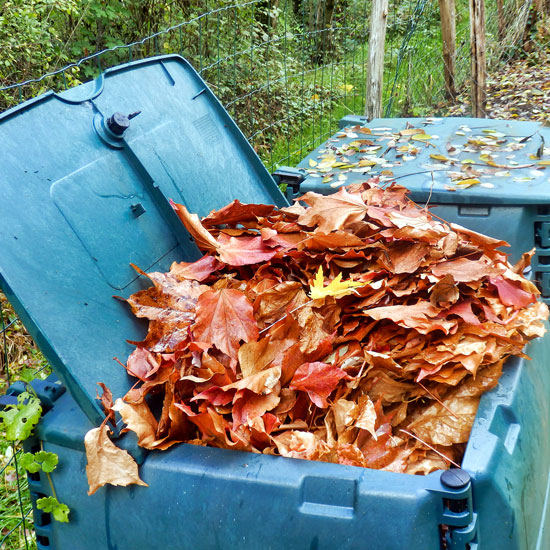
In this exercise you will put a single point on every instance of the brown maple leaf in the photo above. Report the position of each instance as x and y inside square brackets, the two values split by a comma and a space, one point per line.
[333, 212]
[225, 318]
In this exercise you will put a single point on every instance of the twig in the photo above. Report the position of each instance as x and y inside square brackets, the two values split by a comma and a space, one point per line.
[285, 316]
[438, 400]
[430, 447]
[431, 191]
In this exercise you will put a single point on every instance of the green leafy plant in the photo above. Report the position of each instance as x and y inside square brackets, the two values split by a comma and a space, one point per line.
[41, 460]
[18, 421]
[51, 505]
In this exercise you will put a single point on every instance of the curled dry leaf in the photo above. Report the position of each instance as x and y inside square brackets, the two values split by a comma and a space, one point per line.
[107, 463]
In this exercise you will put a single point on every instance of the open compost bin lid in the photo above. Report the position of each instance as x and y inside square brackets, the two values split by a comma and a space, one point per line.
[83, 196]
[451, 160]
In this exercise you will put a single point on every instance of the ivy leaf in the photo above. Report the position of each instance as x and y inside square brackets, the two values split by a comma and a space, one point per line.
[42, 460]
[19, 420]
[336, 288]
[51, 505]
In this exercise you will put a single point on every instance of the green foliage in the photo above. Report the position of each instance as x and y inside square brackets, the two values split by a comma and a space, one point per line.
[41, 460]
[50, 505]
[19, 420]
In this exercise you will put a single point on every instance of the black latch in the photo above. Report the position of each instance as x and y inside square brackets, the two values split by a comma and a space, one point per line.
[118, 123]
[293, 177]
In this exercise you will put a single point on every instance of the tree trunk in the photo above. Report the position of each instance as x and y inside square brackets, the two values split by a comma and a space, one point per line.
[479, 66]
[501, 21]
[323, 21]
[375, 69]
[448, 39]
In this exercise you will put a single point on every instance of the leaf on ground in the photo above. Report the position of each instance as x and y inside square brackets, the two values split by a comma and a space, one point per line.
[198, 271]
[205, 241]
[334, 212]
[139, 419]
[237, 212]
[243, 250]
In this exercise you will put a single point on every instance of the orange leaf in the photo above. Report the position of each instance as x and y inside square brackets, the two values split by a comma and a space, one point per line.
[243, 250]
[333, 212]
[318, 379]
[225, 318]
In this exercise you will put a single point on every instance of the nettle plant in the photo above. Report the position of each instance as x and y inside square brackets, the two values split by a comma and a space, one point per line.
[18, 421]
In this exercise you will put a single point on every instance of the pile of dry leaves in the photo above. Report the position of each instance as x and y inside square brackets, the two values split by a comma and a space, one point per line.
[356, 329]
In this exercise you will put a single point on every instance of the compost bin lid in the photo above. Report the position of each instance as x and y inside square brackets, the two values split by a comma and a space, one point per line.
[451, 160]
[85, 191]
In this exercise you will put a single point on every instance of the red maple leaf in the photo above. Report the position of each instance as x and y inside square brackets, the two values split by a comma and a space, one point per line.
[225, 318]
[317, 379]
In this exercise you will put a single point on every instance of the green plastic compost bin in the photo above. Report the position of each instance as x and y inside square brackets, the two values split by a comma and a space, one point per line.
[85, 192]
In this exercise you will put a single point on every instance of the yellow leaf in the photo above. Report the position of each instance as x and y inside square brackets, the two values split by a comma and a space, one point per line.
[366, 163]
[543, 162]
[327, 179]
[315, 97]
[312, 163]
[336, 287]
[411, 131]
[468, 183]
[346, 87]
[421, 137]
[441, 158]
[486, 158]
[468, 161]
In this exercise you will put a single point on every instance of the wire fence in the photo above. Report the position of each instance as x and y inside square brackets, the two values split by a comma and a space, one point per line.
[287, 71]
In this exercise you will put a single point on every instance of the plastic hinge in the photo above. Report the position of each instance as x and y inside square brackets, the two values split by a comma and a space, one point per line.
[457, 520]
[48, 391]
[293, 177]
[352, 120]
[463, 538]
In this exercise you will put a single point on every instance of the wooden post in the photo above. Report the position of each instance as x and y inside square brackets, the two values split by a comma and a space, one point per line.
[479, 66]
[448, 38]
[501, 22]
[375, 68]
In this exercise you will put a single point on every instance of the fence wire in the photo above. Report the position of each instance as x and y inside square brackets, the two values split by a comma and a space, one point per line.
[286, 70]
